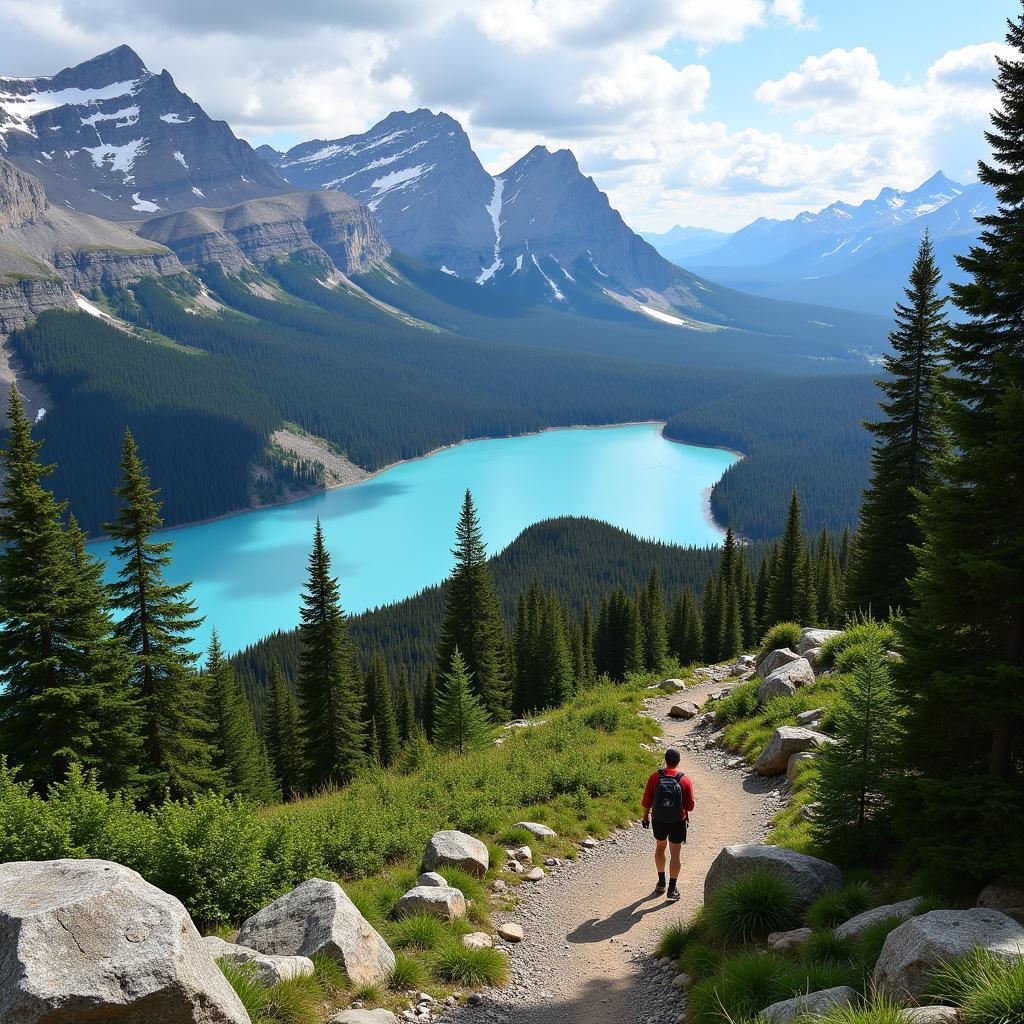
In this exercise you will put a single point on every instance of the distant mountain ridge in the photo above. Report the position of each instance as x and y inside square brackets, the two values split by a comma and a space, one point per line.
[854, 256]
[111, 138]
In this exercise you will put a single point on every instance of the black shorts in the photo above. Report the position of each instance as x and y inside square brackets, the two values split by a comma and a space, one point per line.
[674, 832]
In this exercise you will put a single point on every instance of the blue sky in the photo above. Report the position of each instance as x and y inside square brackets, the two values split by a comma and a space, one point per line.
[709, 112]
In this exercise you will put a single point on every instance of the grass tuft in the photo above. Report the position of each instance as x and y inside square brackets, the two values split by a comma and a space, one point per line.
[833, 908]
[701, 960]
[406, 974]
[253, 993]
[749, 908]
[783, 634]
[455, 963]
[677, 936]
[418, 931]
[873, 938]
[744, 985]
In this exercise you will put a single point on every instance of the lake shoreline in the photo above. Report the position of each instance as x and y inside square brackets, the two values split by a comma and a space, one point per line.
[705, 494]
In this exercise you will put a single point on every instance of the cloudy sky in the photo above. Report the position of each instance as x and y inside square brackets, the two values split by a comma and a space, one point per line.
[706, 112]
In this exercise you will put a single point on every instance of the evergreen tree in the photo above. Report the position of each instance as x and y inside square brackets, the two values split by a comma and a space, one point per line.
[64, 691]
[282, 733]
[711, 612]
[732, 626]
[963, 639]
[692, 648]
[635, 646]
[333, 732]
[908, 441]
[748, 603]
[829, 577]
[526, 645]
[788, 595]
[472, 617]
[427, 703]
[380, 711]
[807, 606]
[762, 595]
[461, 723]
[856, 774]
[588, 672]
[655, 634]
[405, 710]
[555, 682]
[156, 628]
[238, 757]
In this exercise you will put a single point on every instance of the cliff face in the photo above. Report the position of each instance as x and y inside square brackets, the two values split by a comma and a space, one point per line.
[21, 196]
[328, 226]
[21, 299]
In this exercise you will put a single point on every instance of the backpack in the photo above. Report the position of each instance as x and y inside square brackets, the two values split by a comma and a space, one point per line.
[667, 808]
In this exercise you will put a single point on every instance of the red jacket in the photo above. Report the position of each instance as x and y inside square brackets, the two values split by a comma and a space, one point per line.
[684, 785]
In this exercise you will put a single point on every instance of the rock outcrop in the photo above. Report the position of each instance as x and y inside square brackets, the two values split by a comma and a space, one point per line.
[786, 679]
[914, 949]
[855, 927]
[812, 638]
[450, 848]
[775, 659]
[809, 876]
[786, 741]
[318, 917]
[21, 196]
[90, 940]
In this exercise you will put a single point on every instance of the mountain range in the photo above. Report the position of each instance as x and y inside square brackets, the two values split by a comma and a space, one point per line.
[852, 256]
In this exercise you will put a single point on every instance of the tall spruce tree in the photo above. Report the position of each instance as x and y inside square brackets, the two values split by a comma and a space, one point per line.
[789, 583]
[461, 722]
[963, 640]
[555, 679]
[472, 617]
[405, 710]
[908, 442]
[330, 699]
[156, 627]
[711, 613]
[282, 735]
[65, 696]
[655, 632]
[380, 710]
[427, 703]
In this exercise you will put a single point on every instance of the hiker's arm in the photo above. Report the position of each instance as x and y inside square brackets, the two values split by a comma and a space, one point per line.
[648, 798]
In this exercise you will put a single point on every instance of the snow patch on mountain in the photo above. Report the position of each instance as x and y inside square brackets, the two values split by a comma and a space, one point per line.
[21, 105]
[173, 118]
[555, 290]
[402, 179]
[494, 212]
[143, 205]
[117, 158]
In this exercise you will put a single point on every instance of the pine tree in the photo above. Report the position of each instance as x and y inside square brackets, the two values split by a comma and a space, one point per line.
[405, 710]
[64, 691]
[963, 639]
[330, 701]
[282, 735]
[762, 595]
[588, 671]
[156, 628]
[427, 704]
[788, 594]
[461, 723]
[692, 650]
[807, 607]
[748, 603]
[711, 613]
[238, 757]
[526, 649]
[732, 626]
[472, 617]
[635, 645]
[908, 441]
[555, 681]
[856, 775]
[655, 634]
[380, 711]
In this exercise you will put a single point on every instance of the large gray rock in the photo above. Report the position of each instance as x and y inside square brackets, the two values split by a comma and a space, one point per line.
[809, 876]
[811, 638]
[776, 659]
[914, 949]
[806, 717]
[364, 1017]
[684, 709]
[786, 680]
[931, 1015]
[536, 828]
[1004, 896]
[857, 926]
[456, 849]
[786, 741]
[431, 878]
[441, 901]
[813, 1004]
[792, 939]
[794, 762]
[744, 664]
[269, 969]
[318, 917]
[90, 940]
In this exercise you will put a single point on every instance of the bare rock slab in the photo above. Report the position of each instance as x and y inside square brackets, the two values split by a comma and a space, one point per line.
[318, 917]
[931, 1015]
[914, 949]
[809, 876]
[855, 927]
[91, 940]
[450, 848]
[786, 741]
[440, 901]
[792, 939]
[271, 970]
[431, 878]
[813, 1004]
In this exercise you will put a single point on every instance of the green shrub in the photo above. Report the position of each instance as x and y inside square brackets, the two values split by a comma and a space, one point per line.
[748, 908]
[253, 993]
[999, 998]
[419, 931]
[296, 1001]
[744, 985]
[783, 634]
[677, 935]
[407, 973]
[854, 636]
[461, 966]
[828, 948]
[840, 905]
[873, 938]
[470, 886]
[741, 703]
[701, 960]
[605, 716]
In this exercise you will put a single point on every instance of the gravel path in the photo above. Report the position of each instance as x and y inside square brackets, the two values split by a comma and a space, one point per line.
[592, 924]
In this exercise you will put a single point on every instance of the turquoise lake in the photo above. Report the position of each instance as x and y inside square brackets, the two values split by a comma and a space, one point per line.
[390, 536]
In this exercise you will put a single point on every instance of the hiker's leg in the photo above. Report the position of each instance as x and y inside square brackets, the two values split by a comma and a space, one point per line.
[659, 854]
[675, 861]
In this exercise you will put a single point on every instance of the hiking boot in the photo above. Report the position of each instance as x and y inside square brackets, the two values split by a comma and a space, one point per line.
[673, 893]
[659, 888]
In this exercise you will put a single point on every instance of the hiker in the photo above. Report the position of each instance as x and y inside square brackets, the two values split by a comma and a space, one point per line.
[668, 800]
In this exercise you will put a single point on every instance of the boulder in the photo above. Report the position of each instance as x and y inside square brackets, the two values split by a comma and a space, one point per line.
[744, 664]
[857, 926]
[536, 828]
[931, 1015]
[269, 969]
[477, 940]
[914, 949]
[441, 901]
[675, 684]
[806, 717]
[510, 932]
[809, 876]
[685, 709]
[318, 917]
[814, 657]
[431, 878]
[789, 940]
[811, 638]
[364, 1017]
[524, 853]
[534, 874]
[797, 759]
[456, 849]
[93, 940]
[786, 679]
[776, 659]
[786, 741]
[813, 1004]
[1004, 896]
